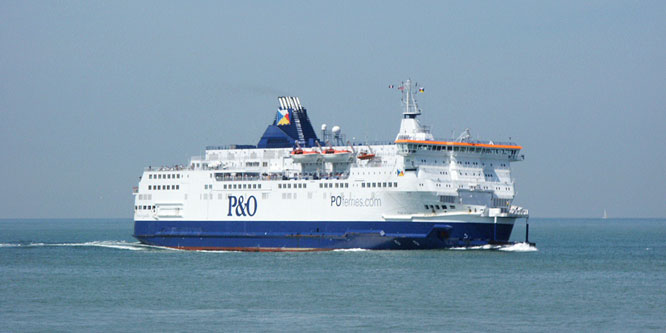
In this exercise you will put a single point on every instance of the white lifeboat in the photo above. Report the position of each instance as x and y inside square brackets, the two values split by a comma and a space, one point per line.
[336, 156]
[305, 156]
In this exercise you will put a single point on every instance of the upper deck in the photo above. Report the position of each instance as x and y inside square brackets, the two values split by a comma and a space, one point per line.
[485, 148]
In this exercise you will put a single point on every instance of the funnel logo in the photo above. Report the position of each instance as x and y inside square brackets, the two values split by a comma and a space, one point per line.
[283, 116]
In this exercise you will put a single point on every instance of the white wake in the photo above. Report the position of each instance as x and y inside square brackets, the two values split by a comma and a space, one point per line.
[517, 247]
[119, 245]
[350, 250]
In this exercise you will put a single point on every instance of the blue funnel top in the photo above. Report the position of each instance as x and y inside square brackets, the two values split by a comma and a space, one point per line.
[291, 124]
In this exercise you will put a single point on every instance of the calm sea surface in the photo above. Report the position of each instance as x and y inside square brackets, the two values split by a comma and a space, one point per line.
[91, 275]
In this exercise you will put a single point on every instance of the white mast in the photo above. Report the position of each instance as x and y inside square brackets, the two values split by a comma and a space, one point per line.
[410, 127]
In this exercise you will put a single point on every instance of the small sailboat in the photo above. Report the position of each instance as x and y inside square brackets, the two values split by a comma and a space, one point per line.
[605, 216]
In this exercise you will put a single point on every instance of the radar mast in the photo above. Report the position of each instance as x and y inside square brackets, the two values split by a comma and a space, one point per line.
[410, 127]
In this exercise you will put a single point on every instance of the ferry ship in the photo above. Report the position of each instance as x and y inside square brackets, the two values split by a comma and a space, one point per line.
[293, 191]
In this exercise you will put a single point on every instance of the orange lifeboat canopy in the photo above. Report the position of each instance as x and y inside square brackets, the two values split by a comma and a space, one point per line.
[365, 156]
[336, 156]
[305, 156]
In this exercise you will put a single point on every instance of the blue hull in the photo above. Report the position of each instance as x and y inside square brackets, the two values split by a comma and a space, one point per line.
[313, 235]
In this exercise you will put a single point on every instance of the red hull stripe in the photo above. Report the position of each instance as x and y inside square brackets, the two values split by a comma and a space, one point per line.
[249, 249]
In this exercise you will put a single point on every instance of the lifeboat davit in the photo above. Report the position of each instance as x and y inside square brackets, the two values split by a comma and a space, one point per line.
[305, 156]
[337, 156]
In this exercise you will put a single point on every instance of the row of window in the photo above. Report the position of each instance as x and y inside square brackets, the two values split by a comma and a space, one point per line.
[438, 207]
[330, 185]
[501, 202]
[413, 147]
[145, 197]
[384, 184]
[447, 198]
[299, 185]
[144, 207]
[240, 186]
[289, 196]
[446, 162]
[477, 163]
[221, 196]
[164, 176]
[164, 187]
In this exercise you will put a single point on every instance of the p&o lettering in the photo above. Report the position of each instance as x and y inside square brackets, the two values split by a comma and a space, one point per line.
[239, 206]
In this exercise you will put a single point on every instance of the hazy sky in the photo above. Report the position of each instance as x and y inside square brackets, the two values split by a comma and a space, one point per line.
[92, 92]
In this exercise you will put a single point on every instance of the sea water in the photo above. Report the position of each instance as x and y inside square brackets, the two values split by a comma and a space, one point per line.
[91, 275]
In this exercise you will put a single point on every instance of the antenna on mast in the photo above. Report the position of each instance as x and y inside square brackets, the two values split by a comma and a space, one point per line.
[410, 128]
[409, 99]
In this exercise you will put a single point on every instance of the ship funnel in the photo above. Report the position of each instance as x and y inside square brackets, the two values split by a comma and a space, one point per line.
[291, 124]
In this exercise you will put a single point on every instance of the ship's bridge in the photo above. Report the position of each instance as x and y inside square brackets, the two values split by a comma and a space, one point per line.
[506, 149]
